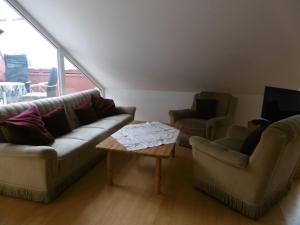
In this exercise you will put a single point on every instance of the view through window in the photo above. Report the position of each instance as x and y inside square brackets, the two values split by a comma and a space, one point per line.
[28, 62]
[74, 79]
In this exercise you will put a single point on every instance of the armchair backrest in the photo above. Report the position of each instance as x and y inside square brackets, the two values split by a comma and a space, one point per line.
[226, 102]
[276, 158]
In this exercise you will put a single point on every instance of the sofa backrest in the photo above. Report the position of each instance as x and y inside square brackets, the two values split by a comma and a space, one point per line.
[277, 155]
[226, 102]
[47, 104]
[70, 102]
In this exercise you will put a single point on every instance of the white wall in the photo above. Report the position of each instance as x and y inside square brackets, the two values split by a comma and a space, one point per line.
[174, 45]
[154, 105]
[151, 105]
[249, 107]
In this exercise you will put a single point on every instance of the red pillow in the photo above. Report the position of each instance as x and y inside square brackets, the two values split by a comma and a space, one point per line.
[56, 122]
[86, 113]
[27, 128]
[104, 107]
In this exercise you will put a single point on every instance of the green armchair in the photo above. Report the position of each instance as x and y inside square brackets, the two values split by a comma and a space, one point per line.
[190, 125]
[249, 184]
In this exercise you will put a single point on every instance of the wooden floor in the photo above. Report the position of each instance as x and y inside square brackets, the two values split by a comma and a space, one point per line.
[133, 200]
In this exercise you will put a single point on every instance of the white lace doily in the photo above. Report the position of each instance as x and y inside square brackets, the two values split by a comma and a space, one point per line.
[144, 135]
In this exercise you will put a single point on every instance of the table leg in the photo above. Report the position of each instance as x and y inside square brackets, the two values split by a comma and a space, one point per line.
[173, 151]
[109, 168]
[158, 174]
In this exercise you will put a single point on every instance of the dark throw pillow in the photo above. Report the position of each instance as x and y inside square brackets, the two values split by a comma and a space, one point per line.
[86, 113]
[27, 128]
[259, 122]
[206, 108]
[252, 141]
[103, 107]
[56, 122]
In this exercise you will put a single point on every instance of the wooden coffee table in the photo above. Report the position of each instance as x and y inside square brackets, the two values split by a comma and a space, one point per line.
[111, 145]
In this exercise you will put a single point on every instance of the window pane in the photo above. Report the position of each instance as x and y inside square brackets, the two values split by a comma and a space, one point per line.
[75, 80]
[28, 62]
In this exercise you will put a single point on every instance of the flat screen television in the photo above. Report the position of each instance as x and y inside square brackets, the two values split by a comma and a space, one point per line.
[280, 103]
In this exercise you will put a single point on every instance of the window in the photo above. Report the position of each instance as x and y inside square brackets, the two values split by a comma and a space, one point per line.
[29, 62]
[75, 80]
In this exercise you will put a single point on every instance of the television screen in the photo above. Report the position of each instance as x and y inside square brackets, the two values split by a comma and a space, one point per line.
[280, 103]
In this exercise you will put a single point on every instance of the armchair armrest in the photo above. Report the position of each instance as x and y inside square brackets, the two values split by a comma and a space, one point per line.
[238, 132]
[27, 151]
[218, 152]
[181, 114]
[126, 110]
[220, 121]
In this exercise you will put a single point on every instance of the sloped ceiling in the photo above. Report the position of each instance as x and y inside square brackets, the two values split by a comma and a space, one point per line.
[180, 45]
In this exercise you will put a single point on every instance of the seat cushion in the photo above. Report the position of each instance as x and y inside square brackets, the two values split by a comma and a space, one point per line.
[88, 134]
[192, 126]
[232, 143]
[112, 123]
[120, 118]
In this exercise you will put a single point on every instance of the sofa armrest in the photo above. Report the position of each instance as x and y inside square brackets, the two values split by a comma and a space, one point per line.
[218, 152]
[181, 114]
[238, 132]
[127, 110]
[27, 151]
[29, 168]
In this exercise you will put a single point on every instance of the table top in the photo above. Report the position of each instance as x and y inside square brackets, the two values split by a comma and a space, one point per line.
[12, 84]
[111, 144]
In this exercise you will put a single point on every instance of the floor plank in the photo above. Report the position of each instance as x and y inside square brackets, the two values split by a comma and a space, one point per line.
[132, 200]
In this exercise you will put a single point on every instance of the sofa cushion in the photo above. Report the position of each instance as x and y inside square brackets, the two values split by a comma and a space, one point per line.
[26, 128]
[120, 118]
[85, 113]
[88, 134]
[56, 122]
[67, 146]
[206, 108]
[231, 143]
[111, 124]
